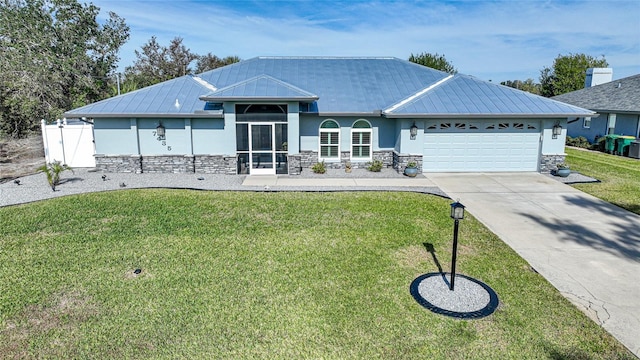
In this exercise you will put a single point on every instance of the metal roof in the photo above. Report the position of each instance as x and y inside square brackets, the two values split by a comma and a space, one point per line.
[173, 98]
[621, 95]
[333, 85]
[463, 95]
[260, 88]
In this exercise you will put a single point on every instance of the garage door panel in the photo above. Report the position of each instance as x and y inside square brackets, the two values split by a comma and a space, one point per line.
[504, 148]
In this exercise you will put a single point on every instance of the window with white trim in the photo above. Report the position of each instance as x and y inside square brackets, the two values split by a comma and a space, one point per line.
[361, 141]
[329, 140]
[586, 123]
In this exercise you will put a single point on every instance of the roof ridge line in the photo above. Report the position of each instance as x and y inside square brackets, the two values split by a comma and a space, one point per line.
[416, 95]
[204, 83]
[270, 78]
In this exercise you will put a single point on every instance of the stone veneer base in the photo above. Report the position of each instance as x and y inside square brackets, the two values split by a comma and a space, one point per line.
[204, 164]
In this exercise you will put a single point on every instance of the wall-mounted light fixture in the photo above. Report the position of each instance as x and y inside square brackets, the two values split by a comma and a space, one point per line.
[160, 131]
[556, 131]
[413, 131]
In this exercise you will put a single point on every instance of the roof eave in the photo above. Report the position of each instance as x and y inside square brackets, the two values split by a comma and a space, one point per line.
[258, 98]
[197, 114]
[486, 116]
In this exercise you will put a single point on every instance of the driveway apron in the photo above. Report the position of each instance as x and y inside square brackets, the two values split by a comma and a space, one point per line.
[585, 247]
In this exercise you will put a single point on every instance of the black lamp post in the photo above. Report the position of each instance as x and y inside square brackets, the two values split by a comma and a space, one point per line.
[457, 214]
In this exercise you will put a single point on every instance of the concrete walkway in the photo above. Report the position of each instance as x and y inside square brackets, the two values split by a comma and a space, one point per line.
[587, 248]
[277, 181]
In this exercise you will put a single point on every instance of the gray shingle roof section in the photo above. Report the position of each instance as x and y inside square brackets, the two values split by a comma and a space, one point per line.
[621, 95]
[158, 100]
[341, 85]
[261, 87]
[464, 95]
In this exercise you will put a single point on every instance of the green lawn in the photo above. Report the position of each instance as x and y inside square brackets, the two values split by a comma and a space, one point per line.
[265, 275]
[619, 176]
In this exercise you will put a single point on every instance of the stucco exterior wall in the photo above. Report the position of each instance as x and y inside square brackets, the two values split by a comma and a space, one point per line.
[383, 132]
[115, 136]
[208, 136]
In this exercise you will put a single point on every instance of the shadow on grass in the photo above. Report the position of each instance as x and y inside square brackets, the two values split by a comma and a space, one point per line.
[431, 250]
[622, 240]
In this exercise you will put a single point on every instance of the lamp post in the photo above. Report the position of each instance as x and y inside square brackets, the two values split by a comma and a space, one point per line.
[457, 214]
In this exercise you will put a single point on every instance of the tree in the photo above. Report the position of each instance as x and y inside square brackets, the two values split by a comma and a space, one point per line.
[527, 85]
[157, 63]
[55, 56]
[567, 73]
[210, 62]
[434, 61]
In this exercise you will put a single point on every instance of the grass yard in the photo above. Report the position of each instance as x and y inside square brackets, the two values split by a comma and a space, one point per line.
[619, 176]
[265, 275]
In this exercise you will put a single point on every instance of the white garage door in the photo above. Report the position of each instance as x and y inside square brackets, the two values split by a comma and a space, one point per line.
[500, 145]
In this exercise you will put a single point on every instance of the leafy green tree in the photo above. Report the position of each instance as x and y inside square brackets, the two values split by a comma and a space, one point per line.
[156, 63]
[210, 62]
[567, 73]
[55, 56]
[528, 85]
[434, 61]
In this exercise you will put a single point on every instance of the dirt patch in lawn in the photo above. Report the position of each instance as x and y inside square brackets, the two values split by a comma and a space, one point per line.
[52, 325]
[20, 157]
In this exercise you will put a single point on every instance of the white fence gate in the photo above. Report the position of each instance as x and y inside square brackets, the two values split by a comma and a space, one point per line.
[71, 144]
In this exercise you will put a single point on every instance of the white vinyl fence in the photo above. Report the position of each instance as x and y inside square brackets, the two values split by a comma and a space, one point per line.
[71, 144]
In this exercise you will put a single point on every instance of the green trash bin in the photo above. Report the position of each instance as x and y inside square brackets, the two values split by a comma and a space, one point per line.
[622, 144]
[610, 143]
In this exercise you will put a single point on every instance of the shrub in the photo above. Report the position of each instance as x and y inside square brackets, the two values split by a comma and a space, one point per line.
[579, 141]
[599, 144]
[319, 168]
[375, 166]
[53, 171]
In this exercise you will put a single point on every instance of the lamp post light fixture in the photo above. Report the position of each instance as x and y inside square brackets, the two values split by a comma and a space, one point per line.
[457, 214]
[413, 131]
[556, 131]
[160, 131]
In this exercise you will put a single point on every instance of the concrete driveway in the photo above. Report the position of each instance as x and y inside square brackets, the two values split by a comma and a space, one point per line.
[587, 248]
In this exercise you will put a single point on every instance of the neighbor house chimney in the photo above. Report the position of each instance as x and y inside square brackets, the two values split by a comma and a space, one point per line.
[597, 76]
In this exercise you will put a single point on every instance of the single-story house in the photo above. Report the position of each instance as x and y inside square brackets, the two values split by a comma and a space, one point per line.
[617, 103]
[280, 115]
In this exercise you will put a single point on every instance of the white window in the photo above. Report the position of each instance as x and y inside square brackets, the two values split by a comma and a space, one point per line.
[361, 141]
[329, 140]
[586, 123]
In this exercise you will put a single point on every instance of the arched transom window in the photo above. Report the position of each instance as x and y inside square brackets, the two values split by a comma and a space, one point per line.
[361, 141]
[329, 140]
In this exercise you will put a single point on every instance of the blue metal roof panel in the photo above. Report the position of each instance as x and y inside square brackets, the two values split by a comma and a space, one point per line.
[465, 95]
[262, 86]
[178, 96]
[347, 85]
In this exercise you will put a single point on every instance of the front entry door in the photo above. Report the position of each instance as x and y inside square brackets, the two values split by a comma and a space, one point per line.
[262, 153]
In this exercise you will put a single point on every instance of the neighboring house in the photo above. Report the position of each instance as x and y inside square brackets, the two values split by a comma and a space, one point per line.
[278, 115]
[617, 103]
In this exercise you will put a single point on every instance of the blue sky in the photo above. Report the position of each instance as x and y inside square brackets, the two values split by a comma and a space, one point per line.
[492, 40]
